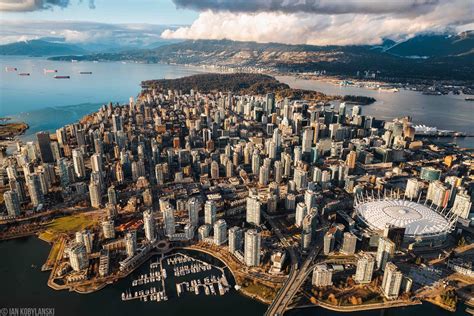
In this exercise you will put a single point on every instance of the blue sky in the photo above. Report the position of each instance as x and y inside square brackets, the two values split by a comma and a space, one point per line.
[111, 11]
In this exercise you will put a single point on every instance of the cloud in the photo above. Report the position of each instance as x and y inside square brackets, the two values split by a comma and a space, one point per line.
[34, 5]
[117, 35]
[322, 22]
[309, 6]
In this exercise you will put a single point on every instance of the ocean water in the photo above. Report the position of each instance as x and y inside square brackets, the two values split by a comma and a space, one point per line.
[46, 103]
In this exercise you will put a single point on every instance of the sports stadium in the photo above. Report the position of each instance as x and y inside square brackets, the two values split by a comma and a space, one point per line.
[424, 224]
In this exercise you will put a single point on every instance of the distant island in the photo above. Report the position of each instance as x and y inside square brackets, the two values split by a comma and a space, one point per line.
[245, 83]
[11, 129]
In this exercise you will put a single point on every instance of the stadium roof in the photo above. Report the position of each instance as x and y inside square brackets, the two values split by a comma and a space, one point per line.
[418, 219]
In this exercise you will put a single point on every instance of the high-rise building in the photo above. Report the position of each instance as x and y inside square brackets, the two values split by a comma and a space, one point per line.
[96, 163]
[235, 239]
[300, 177]
[108, 229]
[392, 281]
[462, 205]
[322, 275]
[78, 161]
[131, 243]
[116, 123]
[94, 194]
[438, 194]
[301, 211]
[112, 195]
[168, 215]
[220, 232]
[44, 146]
[34, 189]
[210, 210]
[310, 198]
[329, 242]
[214, 170]
[78, 258]
[253, 210]
[86, 238]
[193, 211]
[365, 268]
[349, 243]
[307, 139]
[203, 231]
[385, 252]
[252, 248]
[149, 225]
[12, 203]
[351, 160]
[412, 189]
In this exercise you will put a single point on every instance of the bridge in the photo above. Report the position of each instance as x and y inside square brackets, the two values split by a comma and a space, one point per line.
[296, 277]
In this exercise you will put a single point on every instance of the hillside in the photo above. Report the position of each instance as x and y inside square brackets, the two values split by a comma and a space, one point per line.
[335, 60]
[244, 83]
[40, 48]
[435, 45]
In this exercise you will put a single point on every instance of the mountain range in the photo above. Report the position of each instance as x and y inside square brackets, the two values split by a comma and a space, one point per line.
[424, 57]
[41, 47]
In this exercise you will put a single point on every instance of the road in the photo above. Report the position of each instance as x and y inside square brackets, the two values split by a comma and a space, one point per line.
[297, 275]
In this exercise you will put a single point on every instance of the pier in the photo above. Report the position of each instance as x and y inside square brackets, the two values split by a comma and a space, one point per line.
[181, 266]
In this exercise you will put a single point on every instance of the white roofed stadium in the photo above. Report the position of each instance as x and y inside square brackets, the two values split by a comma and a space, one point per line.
[423, 224]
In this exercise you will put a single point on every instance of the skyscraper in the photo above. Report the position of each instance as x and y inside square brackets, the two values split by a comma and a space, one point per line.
[193, 211]
[94, 194]
[220, 232]
[149, 225]
[329, 241]
[168, 215]
[44, 146]
[392, 281]
[253, 210]
[235, 239]
[34, 189]
[78, 160]
[462, 205]
[322, 275]
[385, 252]
[108, 229]
[12, 203]
[210, 209]
[349, 243]
[78, 257]
[252, 248]
[365, 268]
[301, 211]
[131, 243]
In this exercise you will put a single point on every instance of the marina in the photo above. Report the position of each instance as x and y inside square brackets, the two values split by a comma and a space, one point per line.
[187, 277]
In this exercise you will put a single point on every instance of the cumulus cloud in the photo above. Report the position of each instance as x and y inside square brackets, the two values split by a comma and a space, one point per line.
[322, 22]
[34, 5]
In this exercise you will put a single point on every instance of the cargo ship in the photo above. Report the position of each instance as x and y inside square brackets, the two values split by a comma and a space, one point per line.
[10, 69]
[46, 71]
[24, 74]
[86, 73]
[469, 99]
[62, 77]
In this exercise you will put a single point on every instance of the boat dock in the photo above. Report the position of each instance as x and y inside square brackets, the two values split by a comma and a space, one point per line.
[182, 266]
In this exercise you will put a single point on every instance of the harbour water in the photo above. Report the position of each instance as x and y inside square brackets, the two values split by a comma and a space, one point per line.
[24, 285]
